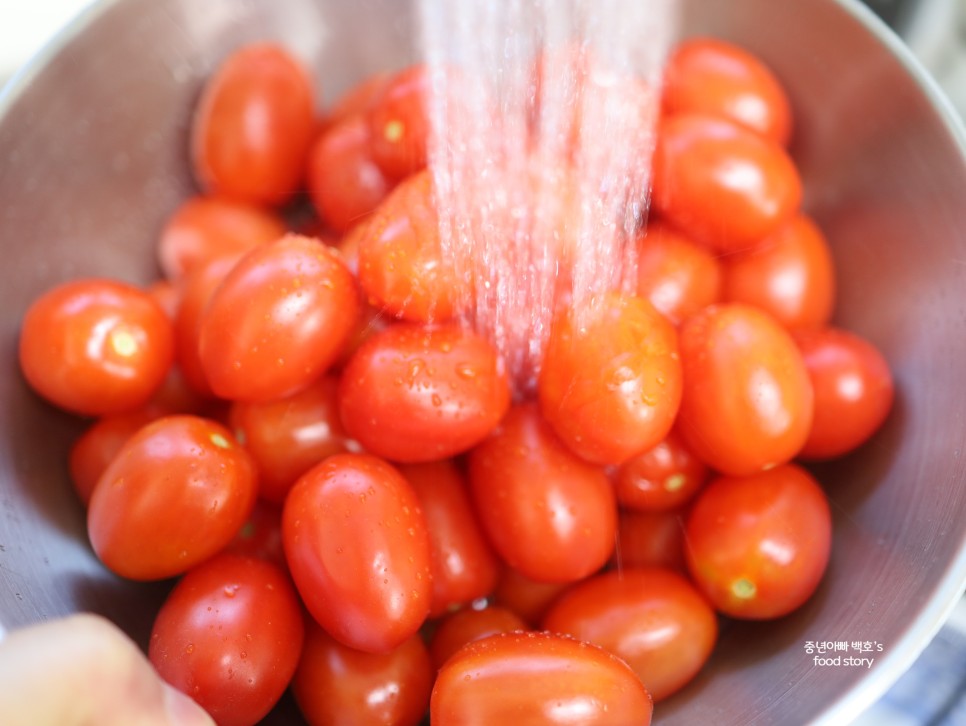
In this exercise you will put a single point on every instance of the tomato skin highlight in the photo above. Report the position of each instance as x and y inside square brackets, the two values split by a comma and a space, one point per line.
[721, 184]
[338, 686]
[611, 380]
[537, 679]
[96, 346]
[412, 393]
[748, 401]
[854, 390]
[278, 320]
[548, 514]
[229, 636]
[253, 126]
[758, 546]
[174, 495]
[356, 543]
[653, 619]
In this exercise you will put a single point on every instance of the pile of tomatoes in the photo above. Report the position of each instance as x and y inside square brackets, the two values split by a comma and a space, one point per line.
[295, 422]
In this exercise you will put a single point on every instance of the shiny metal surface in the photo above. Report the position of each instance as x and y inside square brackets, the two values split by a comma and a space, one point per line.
[93, 156]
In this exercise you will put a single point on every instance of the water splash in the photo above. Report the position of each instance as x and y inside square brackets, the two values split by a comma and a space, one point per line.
[543, 115]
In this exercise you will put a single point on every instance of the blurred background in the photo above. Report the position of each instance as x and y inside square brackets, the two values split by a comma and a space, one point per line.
[933, 692]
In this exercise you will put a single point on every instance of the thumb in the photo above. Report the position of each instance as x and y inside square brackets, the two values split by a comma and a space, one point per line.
[83, 670]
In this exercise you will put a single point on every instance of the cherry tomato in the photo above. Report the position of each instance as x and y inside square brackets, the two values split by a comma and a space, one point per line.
[542, 680]
[758, 545]
[747, 402]
[652, 619]
[198, 287]
[338, 686]
[853, 386]
[288, 436]
[650, 539]
[204, 228]
[401, 264]
[678, 276]
[721, 184]
[717, 78]
[95, 449]
[663, 477]
[229, 635]
[611, 379]
[174, 495]
[464, 566]
[412, 393]
[358, 99]
[399, 123]
[344, 183]
[167, 295]
[524, 596]
[790, 275]
[96, 346]
[253, 126]
[278, 320]
[357, 546]
[465, 626]
[549, 514]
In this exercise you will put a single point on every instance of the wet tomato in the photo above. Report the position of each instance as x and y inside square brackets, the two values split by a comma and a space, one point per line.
[539, 679]
[747, 402]
[96, 346]
[176, 493]
[229, 635]
[465, 626]
[758, 545]
[413, 393]
[278, 320]
[356, 543]
[661, 478]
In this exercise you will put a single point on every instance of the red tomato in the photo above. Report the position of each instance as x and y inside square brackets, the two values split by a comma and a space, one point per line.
[344, 183]
[401, 265]
[678, 276]
[791, 275]
[253, 126]
[524, 596]
[359, 98]
[747, 401]
[721, 184]
[611, 379]
[537, 679]
[464, 566]
[713, 77]
[652, 619]
[661, 478]
[465, 626]
[96, 448]
[167, 295]
[198, 287]
[96, 346]
[412, 393]
[853, 390]
[229, 635]
[174, 495]
[278, 320]
[758, 545]
[288, 436]
[399, 123]
[650, 539]
[357, 546]
[204, 228]
[549, 514]
[338, 686]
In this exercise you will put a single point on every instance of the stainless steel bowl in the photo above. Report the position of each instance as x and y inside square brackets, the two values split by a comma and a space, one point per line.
[93, 156]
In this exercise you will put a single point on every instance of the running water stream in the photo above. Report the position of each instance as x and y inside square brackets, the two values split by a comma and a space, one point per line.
[543, 116]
